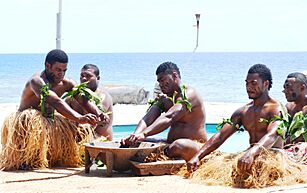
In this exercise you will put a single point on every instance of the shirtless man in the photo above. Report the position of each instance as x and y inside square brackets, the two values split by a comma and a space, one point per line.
[185, 126]
[295, 89]
[258, 84]
[90, 74]
[53, 75]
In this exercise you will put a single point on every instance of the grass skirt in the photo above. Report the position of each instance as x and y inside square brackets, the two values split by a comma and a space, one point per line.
[270, 168]
[30, 141]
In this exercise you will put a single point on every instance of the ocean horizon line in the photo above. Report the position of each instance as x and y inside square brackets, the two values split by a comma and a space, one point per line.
[171, 52]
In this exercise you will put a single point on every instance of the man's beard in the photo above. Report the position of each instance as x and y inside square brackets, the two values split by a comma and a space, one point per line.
[50, 77]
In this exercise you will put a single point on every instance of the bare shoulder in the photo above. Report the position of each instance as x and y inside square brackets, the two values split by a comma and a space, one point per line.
[238, 113]
[274, 105]
[193, 95]
[35, 81]
[272, 108]
[69, 83]
[104, 95]
[35, 77]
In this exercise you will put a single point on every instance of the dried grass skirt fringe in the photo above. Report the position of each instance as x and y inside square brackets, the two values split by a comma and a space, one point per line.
[29, 139]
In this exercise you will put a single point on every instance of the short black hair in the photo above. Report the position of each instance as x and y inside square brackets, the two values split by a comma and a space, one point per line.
[263, 71]
[91, 66]
[56, 55]
[299, 77]
[168, 67]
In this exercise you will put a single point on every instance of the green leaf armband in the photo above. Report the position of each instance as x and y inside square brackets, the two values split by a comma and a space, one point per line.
[228, 121]
[282, 127]
[157, 102]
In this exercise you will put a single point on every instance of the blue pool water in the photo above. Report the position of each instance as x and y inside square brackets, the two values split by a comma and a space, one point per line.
[237, 142]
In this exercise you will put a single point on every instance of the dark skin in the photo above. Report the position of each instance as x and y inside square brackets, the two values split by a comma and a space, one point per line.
[184, 125]
[296, 95]
[104, 128]
[54, 76]
[261, 134]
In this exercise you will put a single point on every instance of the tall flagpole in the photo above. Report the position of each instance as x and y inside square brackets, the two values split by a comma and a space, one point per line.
[59, 26]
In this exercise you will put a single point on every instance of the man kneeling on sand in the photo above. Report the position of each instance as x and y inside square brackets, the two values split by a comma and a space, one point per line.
[36, 136]
[90, 78]
[179, 108]
[262, 135]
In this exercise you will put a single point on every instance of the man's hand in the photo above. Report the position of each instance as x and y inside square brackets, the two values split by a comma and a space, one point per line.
[88, 118]
[245, 163]
[192, 165]
[104, 119]
[133, 139]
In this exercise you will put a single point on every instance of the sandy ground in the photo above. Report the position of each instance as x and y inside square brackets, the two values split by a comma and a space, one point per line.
[75, 180]
[96, 181]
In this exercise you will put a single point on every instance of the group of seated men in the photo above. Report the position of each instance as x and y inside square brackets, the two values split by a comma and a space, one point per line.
[178, 107]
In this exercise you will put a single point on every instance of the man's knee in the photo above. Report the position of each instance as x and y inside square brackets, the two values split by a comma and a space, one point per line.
[107, 133]
[176, 148]
[182, 148]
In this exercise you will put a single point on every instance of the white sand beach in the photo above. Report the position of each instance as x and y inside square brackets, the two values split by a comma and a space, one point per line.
[75, 180]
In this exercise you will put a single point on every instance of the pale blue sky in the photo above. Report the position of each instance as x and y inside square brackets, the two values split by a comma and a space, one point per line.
[29, 26]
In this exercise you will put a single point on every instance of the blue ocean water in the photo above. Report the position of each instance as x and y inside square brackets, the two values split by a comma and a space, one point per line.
[219, 77]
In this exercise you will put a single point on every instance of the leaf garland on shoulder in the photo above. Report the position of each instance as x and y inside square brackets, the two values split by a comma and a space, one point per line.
[157, 101]
[298, 126]
[285, 122]
[292, 127]
[228, 121]
[84, 91]
[282, 127]
[44, 92]
[184, 99]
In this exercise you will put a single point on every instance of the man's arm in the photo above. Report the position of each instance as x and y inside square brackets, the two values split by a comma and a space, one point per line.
[215, 141]
[104, 127]
[59, 104]
[164, 121]
[107, 105]
[266, 142]
[153, 113]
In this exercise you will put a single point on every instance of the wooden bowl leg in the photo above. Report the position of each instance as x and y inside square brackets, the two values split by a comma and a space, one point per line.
[109, 163]
[88, 162]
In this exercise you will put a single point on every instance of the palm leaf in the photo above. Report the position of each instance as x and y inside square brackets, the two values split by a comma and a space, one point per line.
[44, 92]
[83, 91]
[298, 126]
